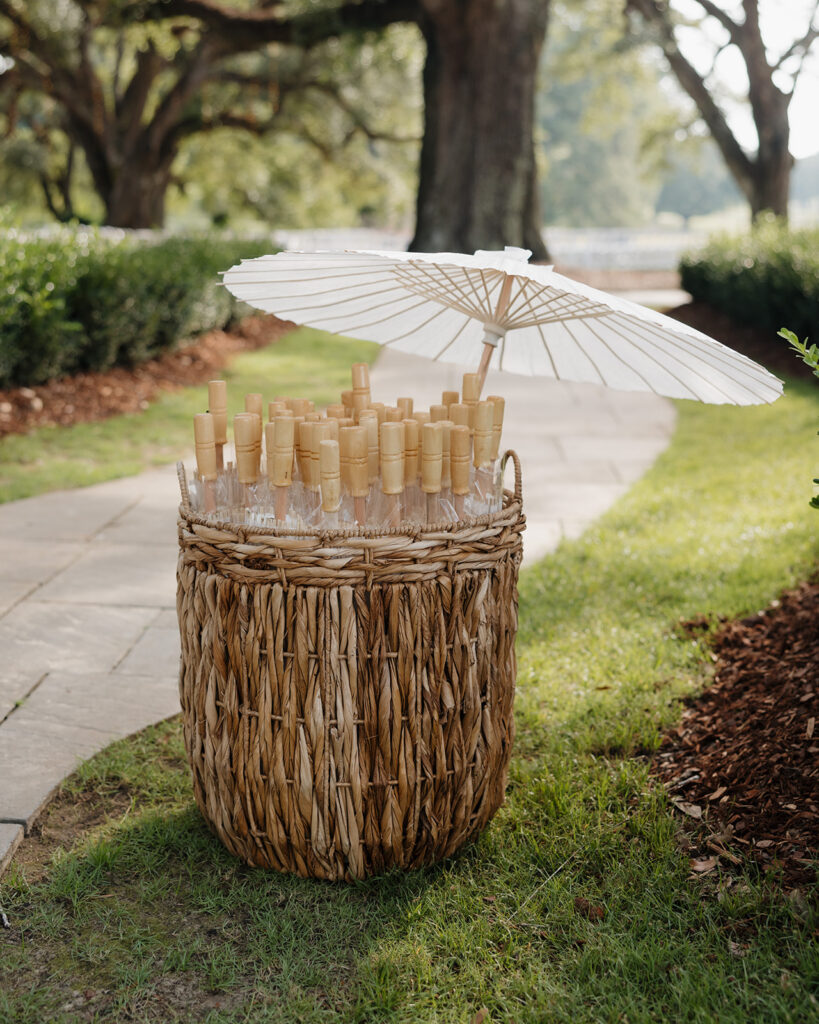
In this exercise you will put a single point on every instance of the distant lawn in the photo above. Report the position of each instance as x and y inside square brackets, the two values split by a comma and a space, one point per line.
[304, 363]
[145, 917]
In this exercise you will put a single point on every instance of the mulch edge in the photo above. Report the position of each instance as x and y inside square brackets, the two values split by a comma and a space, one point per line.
[705, 813]
[98, 395]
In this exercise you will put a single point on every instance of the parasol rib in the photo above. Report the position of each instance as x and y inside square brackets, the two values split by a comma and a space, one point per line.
[709, 357]
[651, 356]
[712, 353]
[555, 374]
[628, 366]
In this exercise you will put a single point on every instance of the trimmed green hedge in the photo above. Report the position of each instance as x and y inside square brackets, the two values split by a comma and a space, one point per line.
[78, 302]
[769, 278]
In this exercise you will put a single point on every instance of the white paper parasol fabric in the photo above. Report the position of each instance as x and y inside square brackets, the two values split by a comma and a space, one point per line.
[451, 307]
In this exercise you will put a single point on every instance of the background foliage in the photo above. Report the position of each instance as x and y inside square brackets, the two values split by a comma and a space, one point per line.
[768, 278]
[75, 301]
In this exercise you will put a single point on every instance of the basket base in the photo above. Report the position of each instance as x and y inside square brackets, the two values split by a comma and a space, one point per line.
[341, 732]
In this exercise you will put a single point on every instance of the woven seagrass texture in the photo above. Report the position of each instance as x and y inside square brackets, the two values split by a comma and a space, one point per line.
[348, 699]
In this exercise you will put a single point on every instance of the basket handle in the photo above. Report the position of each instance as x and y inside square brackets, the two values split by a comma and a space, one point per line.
[513, 455]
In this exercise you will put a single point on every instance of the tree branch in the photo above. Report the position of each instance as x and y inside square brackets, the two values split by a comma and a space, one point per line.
[722, 17]
[35, 42]
[247, 30]
[356, 117]
[89, 80]
[119, 54]
[195, 123]
[130, 107]
[24, 75]
[694, 84]
[72, 90]
[45, 185]
[169, 111]
[802, 47]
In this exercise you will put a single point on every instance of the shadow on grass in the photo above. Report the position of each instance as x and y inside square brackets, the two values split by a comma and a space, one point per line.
[153, 920]
[155, 917]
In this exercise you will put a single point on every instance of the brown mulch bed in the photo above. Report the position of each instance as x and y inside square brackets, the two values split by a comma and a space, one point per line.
[743, 765]
[95, 396]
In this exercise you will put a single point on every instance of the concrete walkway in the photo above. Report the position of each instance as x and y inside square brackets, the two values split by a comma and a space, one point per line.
[88, 630]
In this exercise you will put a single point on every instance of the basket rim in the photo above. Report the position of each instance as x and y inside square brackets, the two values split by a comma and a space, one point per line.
[512, 503]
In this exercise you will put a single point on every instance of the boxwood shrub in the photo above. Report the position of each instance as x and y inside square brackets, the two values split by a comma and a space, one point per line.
[769, 278]
[75, 301]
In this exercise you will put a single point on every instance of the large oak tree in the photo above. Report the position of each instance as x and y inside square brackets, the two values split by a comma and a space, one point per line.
[764, 175]
[477, 178]
[128, 95]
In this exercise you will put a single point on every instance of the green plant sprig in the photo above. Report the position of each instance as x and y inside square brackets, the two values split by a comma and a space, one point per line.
[810, 356]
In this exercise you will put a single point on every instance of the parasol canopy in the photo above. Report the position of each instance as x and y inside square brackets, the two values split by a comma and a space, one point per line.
[496, 309]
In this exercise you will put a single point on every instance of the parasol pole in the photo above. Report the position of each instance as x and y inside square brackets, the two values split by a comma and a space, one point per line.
[280, 462]
[491, 337]
[493, 332]
[410, 453]
[459, 450]
[449, 398]
[359, 480]
[330, 475]
[361, 396]
[497, 423]
[482, 446]
[217, 407]
[431, 467]
[405, 405]
[392, 468]
[369, 418]
[310, 478]
[206, 458]
[446, 476]
[253, 405]
[244, 436]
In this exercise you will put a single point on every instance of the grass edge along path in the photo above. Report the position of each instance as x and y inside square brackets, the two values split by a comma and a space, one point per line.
[578, 903]
[304, 362]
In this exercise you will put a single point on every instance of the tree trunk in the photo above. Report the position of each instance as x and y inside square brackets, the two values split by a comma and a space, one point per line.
[770, 187]
[765, 179]
[137, 197]
[478, 176]
[131, 176]
[771, 173]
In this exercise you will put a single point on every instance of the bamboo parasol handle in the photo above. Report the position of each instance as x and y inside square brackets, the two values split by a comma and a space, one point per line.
[492, 336]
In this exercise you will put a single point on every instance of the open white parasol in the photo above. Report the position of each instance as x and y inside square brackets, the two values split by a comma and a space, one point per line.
[496, 309]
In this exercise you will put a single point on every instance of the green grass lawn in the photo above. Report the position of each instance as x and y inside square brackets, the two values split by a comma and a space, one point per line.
[306, 362]
[146, 918]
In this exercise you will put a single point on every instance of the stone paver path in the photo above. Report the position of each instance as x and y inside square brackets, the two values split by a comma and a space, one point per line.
[88, 636]
[580, 445]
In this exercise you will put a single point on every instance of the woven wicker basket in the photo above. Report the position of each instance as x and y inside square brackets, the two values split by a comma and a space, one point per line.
[347, 697]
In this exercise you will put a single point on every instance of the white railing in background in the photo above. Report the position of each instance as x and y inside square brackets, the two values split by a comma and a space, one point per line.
[582, 248]
[585, 248]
